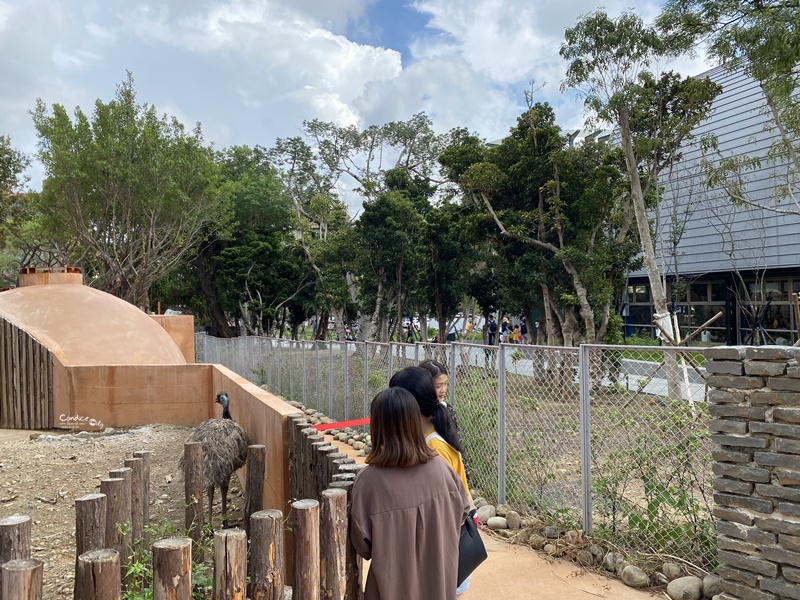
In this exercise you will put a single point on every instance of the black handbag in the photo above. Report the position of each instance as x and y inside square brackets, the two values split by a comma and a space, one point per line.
[471, 551]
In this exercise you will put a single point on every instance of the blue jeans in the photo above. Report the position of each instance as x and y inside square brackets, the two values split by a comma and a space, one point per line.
[463, 587]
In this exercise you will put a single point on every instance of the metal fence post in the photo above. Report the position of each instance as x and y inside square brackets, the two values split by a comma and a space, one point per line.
[452, 372]
[330, 380]
[316, 372]
[346, 383]
[303, 361]
[501, 429]
[280, 367]
[416, 353]
[366, 380]
[390, 363]
[586, 459]
[291, 371]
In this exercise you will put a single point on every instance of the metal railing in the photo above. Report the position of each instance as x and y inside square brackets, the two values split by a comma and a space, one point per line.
[608, 439]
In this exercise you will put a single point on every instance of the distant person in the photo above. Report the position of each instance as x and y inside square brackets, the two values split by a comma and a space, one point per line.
[523, 328]
[409, 333]
[505, 330]
[407, 507]
[491, 328]
[517, 335]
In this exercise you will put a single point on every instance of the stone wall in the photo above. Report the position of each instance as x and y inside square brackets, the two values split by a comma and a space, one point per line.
[754, 396]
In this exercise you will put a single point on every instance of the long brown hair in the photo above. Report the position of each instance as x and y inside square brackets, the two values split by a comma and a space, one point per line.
[397, 438]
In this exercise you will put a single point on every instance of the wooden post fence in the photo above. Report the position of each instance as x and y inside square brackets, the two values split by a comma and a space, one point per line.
[230, 564]
[15, 540]
[333, 544]
[98, 575]
[145, 456]
[136, 465]
[267, 564]
[22, 579]
[306, 556]
[172, 569]
[254, 488]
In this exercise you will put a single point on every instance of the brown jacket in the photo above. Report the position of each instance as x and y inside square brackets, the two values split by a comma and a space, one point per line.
[407, 520]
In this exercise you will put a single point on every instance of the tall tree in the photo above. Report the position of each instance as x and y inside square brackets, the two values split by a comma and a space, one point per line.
[613, 65]
[12, 179]
[134, 188]
[762, 39]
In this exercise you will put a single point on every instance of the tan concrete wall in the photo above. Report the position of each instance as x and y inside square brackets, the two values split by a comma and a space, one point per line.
[181, 329]
[49, 278]
[130, 395]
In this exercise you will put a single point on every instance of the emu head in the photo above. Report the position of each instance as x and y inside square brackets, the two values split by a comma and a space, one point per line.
[222, 398]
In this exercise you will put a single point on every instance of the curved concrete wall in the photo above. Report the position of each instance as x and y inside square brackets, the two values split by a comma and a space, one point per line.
[84, 326]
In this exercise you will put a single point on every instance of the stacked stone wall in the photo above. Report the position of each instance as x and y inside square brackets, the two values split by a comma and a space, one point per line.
[754, 395]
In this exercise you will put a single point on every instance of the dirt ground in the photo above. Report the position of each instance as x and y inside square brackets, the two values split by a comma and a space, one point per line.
[41, 478]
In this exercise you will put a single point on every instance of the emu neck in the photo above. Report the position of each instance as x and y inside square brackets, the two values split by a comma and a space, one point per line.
[226, 414]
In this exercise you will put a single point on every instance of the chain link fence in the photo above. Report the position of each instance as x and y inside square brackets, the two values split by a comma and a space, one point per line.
[610, 439]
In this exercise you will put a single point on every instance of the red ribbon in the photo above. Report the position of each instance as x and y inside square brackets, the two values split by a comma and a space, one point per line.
[341, 424]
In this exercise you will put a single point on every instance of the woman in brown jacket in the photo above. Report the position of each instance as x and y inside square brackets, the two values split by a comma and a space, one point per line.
[407, 509]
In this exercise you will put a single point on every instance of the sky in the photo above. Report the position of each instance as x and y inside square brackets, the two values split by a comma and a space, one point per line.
[251, 71]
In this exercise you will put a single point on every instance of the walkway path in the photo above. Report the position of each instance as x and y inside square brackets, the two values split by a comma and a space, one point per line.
[522, 574]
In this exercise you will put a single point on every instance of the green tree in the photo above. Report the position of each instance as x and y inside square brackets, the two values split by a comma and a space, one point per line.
[762, 38]
[135, 189]
[612, 64]
[13, 164]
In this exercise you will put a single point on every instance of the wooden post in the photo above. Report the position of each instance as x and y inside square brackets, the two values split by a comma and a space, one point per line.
[254, 489]
[305, 462]
[352, 560]
[22, 579]
[126, 474]
[114, 490]
[325, 453]
[267, 565]
[333, 467]
[15, 540]
[305, 515]
[311, 467]
[319, 466]
[90, 523]
[136, 465]
[296, 424]
[98, 575]
[193, 494]
[145, 456]
[172, 569]
[333, 544]
[230, 564]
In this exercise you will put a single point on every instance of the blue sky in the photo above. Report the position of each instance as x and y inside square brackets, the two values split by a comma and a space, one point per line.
[251, 71]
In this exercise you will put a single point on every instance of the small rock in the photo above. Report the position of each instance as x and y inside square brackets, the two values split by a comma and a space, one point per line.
[685, 588]
[711, 586]
[610, 562]
[550, 532]
[309, 411]
[671, 570]
[497, 523]
[549, 548]
[480, 502]
[659, 578]
[536, 541]
[362, 453]
[513, 519]
[358, 445]
[504, 533]
[502, 510]
[351, 442]
[621, 564]
[35, 436]
[585, 558]
[342, 437]
[598, 552]
[486, 512]
[633, 576]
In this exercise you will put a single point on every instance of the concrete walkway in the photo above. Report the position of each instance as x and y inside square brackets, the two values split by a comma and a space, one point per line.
[519, 573]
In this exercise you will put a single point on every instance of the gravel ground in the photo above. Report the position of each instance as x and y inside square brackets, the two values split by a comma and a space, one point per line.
[41, 478]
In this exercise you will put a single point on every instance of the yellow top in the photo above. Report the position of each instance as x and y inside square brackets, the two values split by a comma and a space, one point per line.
[450, 455]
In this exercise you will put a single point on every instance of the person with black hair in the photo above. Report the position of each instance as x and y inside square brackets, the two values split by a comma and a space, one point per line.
[440, 380]
[407, 507]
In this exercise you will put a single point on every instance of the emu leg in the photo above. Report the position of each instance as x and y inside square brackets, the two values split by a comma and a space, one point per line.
[224, 491]
[211, 506]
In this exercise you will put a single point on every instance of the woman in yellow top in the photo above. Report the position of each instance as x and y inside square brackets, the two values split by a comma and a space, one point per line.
[437, 425]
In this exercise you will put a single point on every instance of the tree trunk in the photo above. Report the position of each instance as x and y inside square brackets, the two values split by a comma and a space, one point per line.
[657, 291]
[375, 321]
[206, 272]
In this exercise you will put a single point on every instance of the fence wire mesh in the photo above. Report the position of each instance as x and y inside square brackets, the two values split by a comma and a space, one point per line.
[611, 439]
[651, 451]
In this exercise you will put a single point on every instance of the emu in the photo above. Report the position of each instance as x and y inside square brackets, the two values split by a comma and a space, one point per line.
[224, 450]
